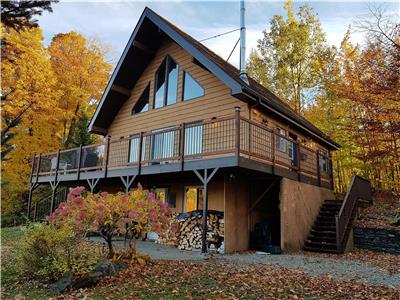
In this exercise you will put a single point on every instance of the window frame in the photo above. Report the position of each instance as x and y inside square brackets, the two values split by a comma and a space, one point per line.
[167, 60]
[147, 88]
[198, 188]
[281, 142]
[183, 87]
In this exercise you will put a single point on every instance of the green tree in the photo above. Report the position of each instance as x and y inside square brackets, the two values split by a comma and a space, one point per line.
[17, 14]
[81, 135]
[288, 57]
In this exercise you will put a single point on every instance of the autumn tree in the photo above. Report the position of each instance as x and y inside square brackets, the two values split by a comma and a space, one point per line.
[81, 74]
[28, 108]
[287, 59]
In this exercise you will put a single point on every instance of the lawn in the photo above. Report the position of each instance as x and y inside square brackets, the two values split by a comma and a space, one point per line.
[210, 279]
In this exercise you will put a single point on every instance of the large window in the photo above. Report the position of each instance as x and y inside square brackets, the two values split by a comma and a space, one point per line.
[142, 104]
[166, 83]
[191, 88]
[193, 199]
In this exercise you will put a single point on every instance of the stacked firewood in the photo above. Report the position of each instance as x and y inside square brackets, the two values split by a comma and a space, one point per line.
[191, 228]
[189, 234]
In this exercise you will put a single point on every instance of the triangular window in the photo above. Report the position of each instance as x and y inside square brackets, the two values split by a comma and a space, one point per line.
[191, 88]
[142, 105]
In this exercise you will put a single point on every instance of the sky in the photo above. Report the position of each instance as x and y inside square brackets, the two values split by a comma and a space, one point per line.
[112, 22]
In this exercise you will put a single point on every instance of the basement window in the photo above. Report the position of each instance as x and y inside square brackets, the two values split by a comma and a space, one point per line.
[191, 88]
[142, 105]
[166, 83]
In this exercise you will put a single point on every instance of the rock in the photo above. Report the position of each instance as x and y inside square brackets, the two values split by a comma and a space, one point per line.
[109, 268]
[105, 267]
[120, 265]
[88, 280]
[62, 284]
[377, 239]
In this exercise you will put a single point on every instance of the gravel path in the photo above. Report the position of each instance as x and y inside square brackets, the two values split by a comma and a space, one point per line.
[339, 269]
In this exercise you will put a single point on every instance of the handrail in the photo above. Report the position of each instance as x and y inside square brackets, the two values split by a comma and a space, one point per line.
[360, 189]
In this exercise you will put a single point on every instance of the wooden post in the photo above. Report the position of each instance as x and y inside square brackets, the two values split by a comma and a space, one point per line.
[140, 152]
[54, 187]
[205, 210]
[79, 162]
[30, 186]
[38, 167]
[57, 166]
[318, 169]
[205, 179]
[107, 156]
[182, 145]
[237, 127]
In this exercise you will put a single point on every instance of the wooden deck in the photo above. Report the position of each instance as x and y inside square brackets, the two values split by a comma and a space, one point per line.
[224, 142]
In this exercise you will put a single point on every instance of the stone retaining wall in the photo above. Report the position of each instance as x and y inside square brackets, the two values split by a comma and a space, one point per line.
[382, 240]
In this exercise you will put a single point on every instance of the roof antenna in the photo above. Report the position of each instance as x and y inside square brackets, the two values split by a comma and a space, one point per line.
[243, 74]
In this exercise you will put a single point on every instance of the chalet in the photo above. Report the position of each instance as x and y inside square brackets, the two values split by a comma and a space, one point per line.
[180, 120]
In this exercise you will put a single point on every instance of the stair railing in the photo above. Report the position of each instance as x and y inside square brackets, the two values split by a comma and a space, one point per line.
[43, 206]
[360, 189]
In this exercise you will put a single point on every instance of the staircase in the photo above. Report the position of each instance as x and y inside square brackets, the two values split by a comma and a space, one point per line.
[41, 209]
[322, 237]
[335, 219]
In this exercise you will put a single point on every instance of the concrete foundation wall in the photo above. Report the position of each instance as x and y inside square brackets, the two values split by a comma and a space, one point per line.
[299, 205]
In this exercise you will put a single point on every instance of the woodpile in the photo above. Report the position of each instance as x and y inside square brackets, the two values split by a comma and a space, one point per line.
[189, 234]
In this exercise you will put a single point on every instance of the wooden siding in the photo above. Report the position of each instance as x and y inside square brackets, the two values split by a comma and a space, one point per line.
[216, 102]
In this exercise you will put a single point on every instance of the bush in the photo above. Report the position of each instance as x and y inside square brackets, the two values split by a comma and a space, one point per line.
[47, 252]
[113, 214]
[12, 220]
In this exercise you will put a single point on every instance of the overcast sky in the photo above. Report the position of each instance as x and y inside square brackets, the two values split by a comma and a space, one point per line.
[113, 21]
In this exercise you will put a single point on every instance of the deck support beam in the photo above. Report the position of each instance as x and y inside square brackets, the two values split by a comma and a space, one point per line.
[205, 179]
[92, 182]
[127, 181]
[54, 186]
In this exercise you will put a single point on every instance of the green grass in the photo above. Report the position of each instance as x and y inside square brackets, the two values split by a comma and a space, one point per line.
[11, 233]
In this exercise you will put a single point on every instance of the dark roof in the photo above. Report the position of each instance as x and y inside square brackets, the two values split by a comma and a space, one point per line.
[213, 62]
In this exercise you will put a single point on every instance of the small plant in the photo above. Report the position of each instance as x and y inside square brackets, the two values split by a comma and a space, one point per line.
[47, 252]
[113, 214]
[394, 220]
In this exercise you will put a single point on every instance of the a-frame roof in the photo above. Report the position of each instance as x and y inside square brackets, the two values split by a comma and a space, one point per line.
[147, 36]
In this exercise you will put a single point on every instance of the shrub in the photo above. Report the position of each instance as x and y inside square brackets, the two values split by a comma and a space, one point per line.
[47, 252]
[12, 220]
[112, 214]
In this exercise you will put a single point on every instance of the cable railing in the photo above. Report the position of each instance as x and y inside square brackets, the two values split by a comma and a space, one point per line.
[226, 136]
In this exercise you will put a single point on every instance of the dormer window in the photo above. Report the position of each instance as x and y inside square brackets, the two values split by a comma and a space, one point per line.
[166, 83]
[191, 88]
[142, 104]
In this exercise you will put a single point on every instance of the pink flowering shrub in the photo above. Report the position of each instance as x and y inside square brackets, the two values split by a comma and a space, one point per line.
[111, 214]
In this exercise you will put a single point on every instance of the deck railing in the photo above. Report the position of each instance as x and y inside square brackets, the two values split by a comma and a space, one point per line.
[227, 136]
